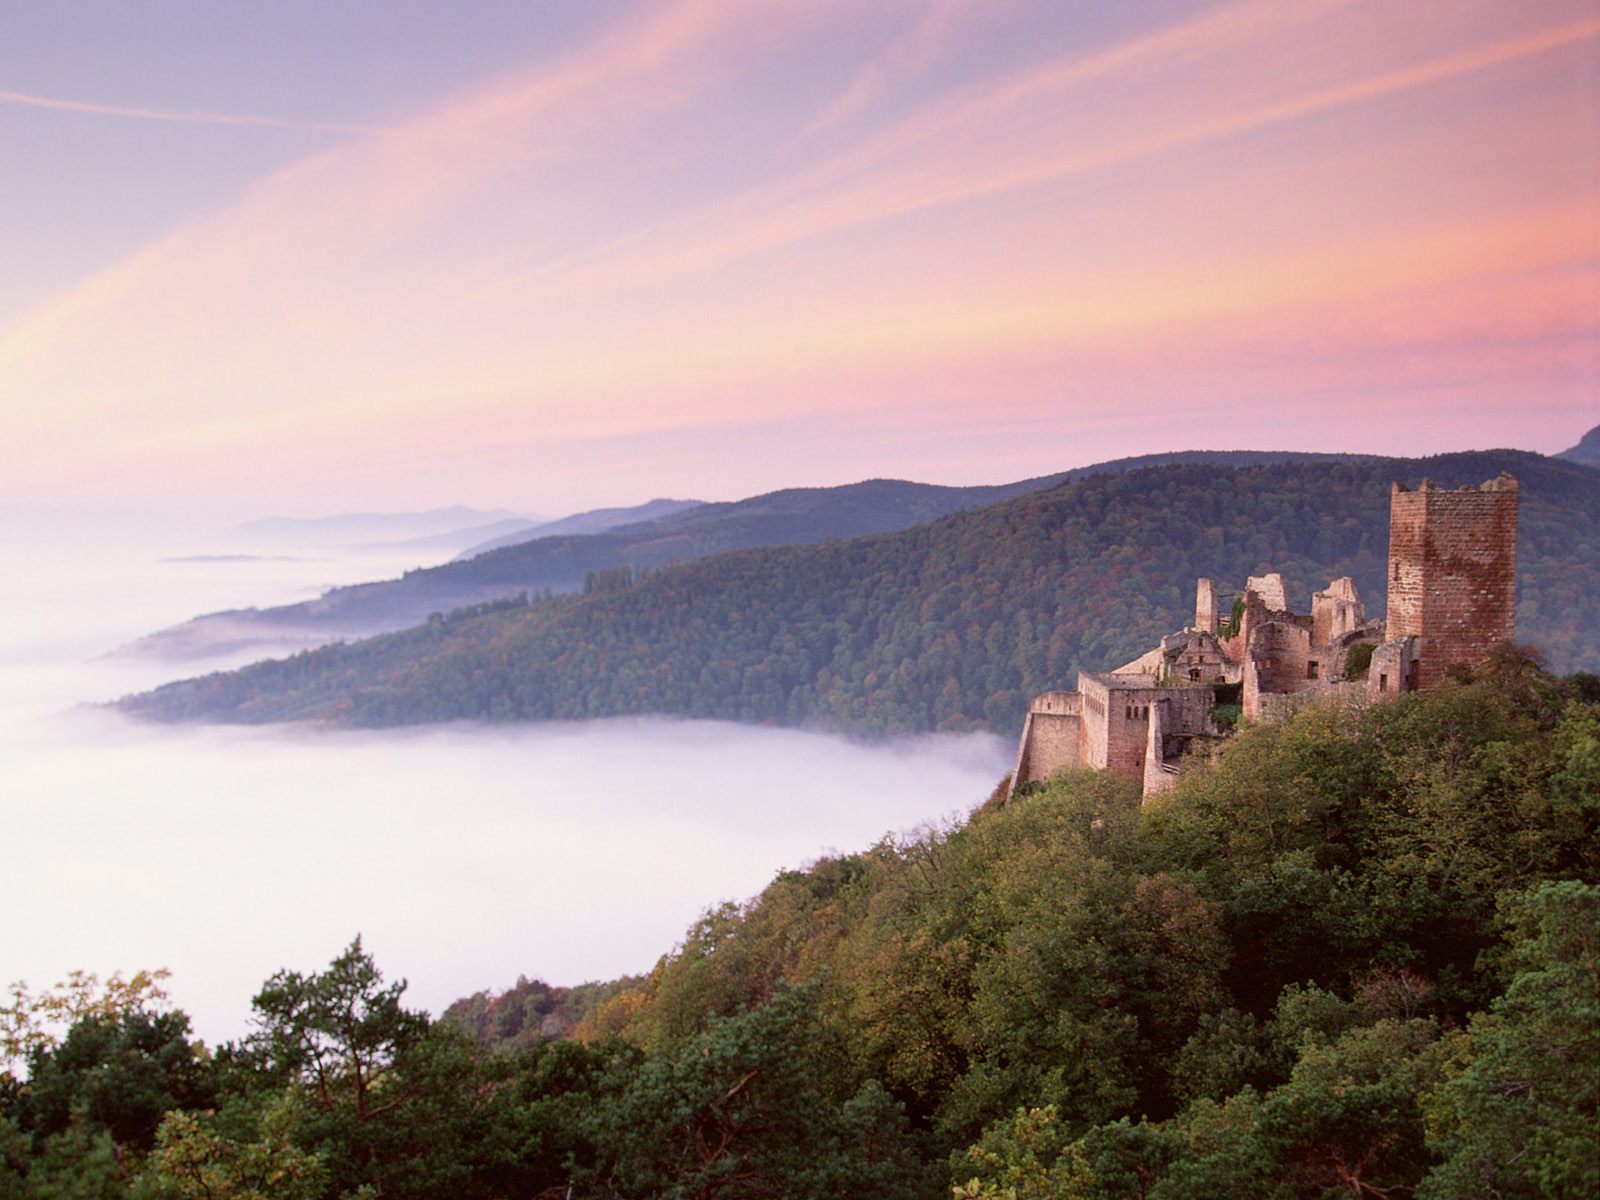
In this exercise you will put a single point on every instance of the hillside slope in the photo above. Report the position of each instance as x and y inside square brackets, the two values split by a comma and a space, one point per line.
[598, 520]
[1587, 451]
[949, 625]
[561, 564]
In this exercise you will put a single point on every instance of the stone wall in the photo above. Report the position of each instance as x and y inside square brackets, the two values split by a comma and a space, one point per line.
[1051, 735]
[1158, 776]
[1336, 610]
[1281, 654]
[1116, 721]
[1452, 572]
[1273, 591]
[1192, 657]
[1393, 668]
[1187, 714]
[1276, 707]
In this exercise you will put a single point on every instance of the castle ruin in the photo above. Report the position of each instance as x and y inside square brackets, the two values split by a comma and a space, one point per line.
[1452, 576]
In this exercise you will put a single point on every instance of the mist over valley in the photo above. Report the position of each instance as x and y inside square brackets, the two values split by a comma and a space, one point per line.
[581, 850]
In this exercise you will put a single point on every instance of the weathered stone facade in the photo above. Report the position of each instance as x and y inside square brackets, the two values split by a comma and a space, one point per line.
[1051, 736]
[1452, 572]
[1452, 597]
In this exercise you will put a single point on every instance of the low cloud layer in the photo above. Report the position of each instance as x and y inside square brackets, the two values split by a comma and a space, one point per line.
[464, 856]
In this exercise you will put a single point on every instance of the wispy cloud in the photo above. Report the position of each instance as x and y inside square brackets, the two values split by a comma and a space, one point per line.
[932, 37]
[182, 116]
[635, 235]
[1030, 130]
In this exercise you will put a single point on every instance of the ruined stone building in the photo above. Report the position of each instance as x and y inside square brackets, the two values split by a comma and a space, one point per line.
[1452, 578]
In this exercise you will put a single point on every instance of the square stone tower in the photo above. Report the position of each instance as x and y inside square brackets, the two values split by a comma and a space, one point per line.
[1452, 572]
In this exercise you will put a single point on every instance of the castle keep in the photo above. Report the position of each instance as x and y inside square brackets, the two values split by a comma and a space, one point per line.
[1452, 578]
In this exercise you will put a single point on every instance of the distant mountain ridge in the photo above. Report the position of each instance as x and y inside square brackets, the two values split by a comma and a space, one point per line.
[794, 516]
[598, 520]
[454, 540]
[355, 528]
[953, 624]
[1587, 451]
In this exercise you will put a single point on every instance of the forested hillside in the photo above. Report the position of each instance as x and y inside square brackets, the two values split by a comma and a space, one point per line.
[796, 516]
[949, 625]
[1354, 955]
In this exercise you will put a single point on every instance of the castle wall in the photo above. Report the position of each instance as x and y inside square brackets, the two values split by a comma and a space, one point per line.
[1281, 654]
[1115, 723]
[1255, 612]
[1186, 713]
[1250, 697]
[1335, 654]
[1051, 737]
[1452, 572]
[1276, 707]
[1096, 716]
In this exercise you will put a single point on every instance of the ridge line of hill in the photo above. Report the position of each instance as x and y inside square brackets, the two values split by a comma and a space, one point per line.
[791, 516]
[952, 624]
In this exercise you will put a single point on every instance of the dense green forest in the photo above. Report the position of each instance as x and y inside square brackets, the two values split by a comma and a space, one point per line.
[795, 516]
[953, 624]
[1355, 955]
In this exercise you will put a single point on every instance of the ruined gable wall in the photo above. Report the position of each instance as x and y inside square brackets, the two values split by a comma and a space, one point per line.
[1176, 715]
[1273, 591]
[1192, 657]
[1390, 672]
[1453, 572]
[1281, 651]
[1336, 610]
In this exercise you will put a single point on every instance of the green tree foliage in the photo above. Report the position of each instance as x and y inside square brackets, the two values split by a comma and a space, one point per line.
[118, 1074]
[390, 1100]
[193, 1162]
[338, 1033]
[1030, 1157]
[741, 1112]
[1354, 955]
[33, 1022]
[1521, 1116]
[950, 625]
[530, 1012]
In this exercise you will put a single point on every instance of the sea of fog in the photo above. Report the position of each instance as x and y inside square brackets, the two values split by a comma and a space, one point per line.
[464, 856]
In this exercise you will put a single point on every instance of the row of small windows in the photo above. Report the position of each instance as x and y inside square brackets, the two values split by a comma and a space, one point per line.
[1137, 712]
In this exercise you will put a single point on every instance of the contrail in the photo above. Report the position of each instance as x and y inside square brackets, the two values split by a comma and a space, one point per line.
[186, 116]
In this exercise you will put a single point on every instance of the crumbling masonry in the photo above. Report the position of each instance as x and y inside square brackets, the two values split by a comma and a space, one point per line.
[1452, 582]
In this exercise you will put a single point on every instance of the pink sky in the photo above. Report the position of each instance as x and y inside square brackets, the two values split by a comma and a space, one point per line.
[708, 247]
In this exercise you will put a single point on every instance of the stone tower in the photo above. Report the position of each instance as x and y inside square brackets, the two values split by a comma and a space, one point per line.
[1205, 605]
[1452, 573]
